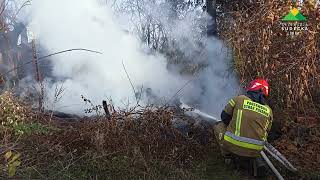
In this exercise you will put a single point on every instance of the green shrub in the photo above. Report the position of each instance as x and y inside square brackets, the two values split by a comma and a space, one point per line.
[11, 112]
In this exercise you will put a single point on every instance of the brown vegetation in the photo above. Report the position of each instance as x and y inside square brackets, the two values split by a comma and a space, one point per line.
[146, 139]
[263, 49]
[291, 64]
[301, 143]
[138, 143]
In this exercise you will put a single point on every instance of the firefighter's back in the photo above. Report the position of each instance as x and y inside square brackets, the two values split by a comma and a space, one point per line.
[248, 129]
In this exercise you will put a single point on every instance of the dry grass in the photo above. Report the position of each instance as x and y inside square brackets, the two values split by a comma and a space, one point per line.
[135, 144]
[139, 144]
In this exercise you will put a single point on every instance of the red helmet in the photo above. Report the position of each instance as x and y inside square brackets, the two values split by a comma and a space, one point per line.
[259, 84]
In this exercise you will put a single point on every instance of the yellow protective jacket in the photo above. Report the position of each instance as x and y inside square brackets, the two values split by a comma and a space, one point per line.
[248, 128]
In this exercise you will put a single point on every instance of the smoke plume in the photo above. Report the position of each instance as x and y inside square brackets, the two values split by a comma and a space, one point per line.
[60, 25]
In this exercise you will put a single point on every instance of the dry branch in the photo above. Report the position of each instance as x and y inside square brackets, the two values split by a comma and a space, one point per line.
[47, 56]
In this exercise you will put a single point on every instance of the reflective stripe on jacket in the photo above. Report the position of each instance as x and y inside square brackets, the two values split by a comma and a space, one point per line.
[249, 127]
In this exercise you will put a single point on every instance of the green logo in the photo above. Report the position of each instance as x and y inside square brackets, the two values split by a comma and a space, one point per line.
[294, 15]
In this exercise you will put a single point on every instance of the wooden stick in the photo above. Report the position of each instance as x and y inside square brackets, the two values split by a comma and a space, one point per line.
[106, 110]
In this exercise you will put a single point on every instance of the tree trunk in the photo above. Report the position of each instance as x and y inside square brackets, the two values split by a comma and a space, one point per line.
[212, 20]
[173, 14]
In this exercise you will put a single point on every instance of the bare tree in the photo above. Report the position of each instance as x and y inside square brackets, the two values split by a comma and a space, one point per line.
[212, 20]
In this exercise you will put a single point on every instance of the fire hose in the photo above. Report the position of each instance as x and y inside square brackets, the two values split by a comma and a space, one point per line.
[267, 147]
[279, 157]
[274, 170]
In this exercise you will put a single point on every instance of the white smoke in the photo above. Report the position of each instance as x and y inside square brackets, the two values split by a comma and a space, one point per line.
[218, 83]
[60, 25]
[87, 24]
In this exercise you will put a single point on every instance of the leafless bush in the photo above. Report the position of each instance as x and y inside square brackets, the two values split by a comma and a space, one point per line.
[263, 49]
[143, 137]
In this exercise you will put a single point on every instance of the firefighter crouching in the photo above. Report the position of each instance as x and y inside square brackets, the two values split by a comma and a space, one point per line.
[246, 121]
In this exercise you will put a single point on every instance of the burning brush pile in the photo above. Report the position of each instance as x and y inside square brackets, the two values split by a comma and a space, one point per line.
[138, 143]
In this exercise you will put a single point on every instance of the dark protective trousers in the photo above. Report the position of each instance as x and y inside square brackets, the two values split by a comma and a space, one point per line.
[252, 165]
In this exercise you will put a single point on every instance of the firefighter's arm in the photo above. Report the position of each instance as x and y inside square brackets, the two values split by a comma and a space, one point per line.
[226, 114]
[270, 121]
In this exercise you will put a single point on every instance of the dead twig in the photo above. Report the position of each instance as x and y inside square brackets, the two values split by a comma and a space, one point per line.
[185, 85]
[3, 7]
[44, 57]
[134, 90]
[26, 3]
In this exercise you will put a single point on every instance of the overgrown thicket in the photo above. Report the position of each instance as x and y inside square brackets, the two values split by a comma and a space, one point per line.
[263, 49]
[132, 144]
[291, 64]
